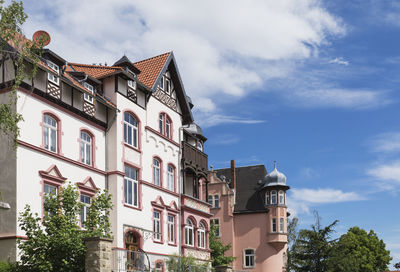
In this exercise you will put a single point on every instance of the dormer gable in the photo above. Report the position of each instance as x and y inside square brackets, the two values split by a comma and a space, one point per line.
[49, 55]
[125, 63]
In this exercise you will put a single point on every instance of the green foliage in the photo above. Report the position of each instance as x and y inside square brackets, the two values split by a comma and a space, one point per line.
[55, 242]
[313, 248]
[5, 267]
[12, 17]
[218, 249]
[185, 264]
[359, 251]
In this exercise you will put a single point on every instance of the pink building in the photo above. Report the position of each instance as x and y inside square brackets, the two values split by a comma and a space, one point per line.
[249, 208]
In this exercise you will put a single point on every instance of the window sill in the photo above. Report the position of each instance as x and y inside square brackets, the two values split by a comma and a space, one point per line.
[132, 147]
[132, 207]
[158, 242]
[172, 244]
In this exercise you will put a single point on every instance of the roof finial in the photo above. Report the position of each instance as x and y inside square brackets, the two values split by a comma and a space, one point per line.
[274, 164]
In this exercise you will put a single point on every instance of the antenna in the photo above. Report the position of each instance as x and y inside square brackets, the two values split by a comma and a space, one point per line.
[41, 36]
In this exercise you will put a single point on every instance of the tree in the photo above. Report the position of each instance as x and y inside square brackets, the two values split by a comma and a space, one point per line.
[185, 264]
[55, 242]
[313, 248]
[14, 46]
[218, 249]
[292, 234]
[359, 251]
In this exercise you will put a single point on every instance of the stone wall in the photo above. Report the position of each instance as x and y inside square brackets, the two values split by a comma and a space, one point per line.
[98, 255]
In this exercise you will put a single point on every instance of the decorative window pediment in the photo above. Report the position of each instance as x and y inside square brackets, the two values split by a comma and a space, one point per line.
[88, 186]
[159, 202]
[53, 174]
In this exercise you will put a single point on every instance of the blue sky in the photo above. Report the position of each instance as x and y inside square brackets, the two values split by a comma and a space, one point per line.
[311, 84]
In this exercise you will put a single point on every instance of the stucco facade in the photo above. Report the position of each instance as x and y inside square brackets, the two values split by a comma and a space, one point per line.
[122, 128]
[245, 217]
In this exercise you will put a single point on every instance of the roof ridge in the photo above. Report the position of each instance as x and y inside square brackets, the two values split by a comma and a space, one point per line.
[94, 66]
[240, 166]
[167, 53]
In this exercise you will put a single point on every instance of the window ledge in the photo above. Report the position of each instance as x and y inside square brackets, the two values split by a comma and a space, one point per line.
[132, 147]
[132, 207]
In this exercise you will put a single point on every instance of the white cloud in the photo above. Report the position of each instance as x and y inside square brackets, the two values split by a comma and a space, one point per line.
[219, 45]
[302, 199]
[339, 98]
[339, 61]
[385, 142]
[386, 174]
[224, 139]
[309, 173]
[209, 120]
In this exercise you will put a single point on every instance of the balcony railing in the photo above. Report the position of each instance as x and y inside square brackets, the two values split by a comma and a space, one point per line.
[129, 261]
[195, 157]
[277, 237]
[195, 203]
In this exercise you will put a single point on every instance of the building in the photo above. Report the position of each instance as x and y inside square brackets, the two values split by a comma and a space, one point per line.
[127, 128]
[249, 210]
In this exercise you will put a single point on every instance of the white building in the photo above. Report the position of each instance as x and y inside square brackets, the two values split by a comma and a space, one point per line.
[127, 128]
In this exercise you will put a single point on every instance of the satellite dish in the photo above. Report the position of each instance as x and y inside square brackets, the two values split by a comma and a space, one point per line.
[41, 35]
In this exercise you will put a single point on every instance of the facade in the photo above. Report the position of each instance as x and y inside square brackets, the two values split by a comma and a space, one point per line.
[127, 128]
[249, 210]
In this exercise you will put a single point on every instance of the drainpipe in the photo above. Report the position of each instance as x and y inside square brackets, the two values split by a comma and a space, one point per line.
[180, 131]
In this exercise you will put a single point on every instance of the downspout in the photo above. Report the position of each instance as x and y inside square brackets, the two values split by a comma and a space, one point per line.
[106, 151]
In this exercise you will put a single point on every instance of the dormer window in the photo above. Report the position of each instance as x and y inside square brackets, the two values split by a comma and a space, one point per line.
[132, 84]
[199, 146]
[51, 77]
[88, 98]
[162, 83]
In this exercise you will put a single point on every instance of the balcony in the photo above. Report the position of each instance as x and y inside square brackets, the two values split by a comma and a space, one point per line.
[277, 239]
[189, 202]
[194, 157]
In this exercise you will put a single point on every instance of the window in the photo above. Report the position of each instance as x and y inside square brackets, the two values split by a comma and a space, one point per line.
[189, 233]
[156, 172]
[131, 190]
[162, 83]
[85, 200]
[201, 236]
[50, 133]
[157, 225]
[87, 97]
[281, 225]
[171, 178]
[266, 198]
[132, 84]
[130, 130]
[167, 85]
[210, 200]
[165, 125]
[86, 148]
[281, 197]
[159, 267]
[199, 146]
[48, 190]
[171, 229]
[273, 224]
[273, 197]
[213, 200]
[51, 77]
[249, 258]
[215, 222]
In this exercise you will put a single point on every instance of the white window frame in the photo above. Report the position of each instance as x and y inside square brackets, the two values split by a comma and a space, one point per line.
[201, 236]
[171, 178]
[48, 131]
[189, 233]
[88, 98]
[133, 129]
[281, 197]
[199, 145]
[156, 172]
[249, 256]
[157, 225]
[168, 128]
[210, 200]
[162, 83]
[85, 208]
[131, 84]
[274, 197]
[281, 225]
[171, 228]
[53, 66]
[86, 148]
[131, 187]
[53, 78]
[45, 194]
[168, 85]
[274, 225]
[216, 201]
[267, 199]
[215, 222]
[161, 120]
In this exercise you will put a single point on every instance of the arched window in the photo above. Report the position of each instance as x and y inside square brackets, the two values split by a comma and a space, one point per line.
[171, 178]
[50, 128]
[86, 148]
[249, 258]
[189, 233]
[130, 130]
[273, 197]
[159, 266]
[156, 172]
[267, 198]
[201, 236]
[281, 197]
[165, 125]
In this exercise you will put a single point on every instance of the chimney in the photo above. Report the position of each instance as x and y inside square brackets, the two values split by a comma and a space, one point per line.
[233, 171]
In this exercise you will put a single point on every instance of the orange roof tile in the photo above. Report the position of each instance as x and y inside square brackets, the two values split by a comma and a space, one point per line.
[95, 71]
[151, 68]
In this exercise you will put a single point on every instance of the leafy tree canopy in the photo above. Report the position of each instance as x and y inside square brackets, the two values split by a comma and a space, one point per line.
[55, 242]
[360, 251]
[218, 249]
[185, 264]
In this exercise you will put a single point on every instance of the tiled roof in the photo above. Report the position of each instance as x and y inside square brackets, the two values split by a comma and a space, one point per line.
[151, 68]
[95, 71]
